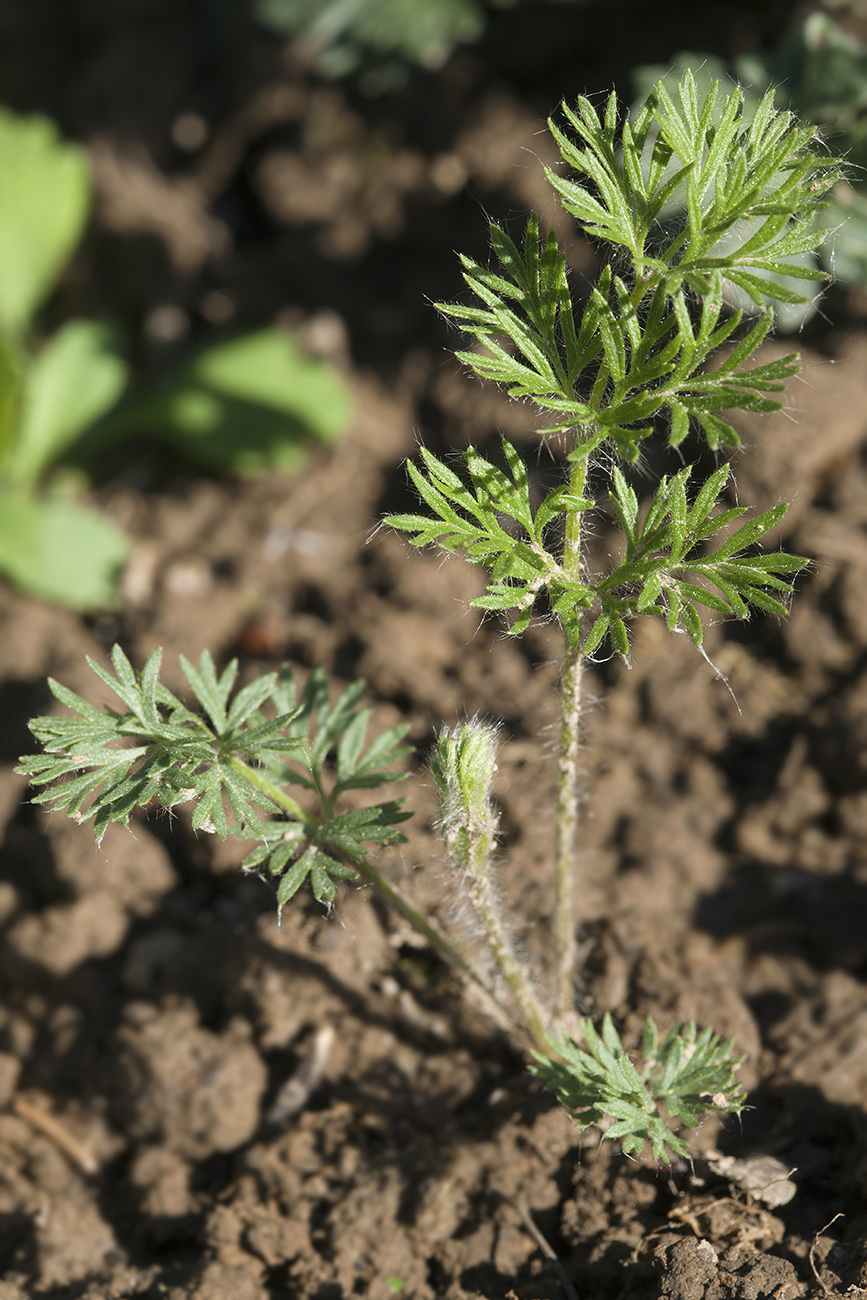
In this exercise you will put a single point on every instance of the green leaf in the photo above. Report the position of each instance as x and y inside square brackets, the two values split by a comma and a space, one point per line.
[249, 699]
[679, 423]
[619, 636]
[43, 208]
[690, 1074]
[706, 499]
[692, 622]
[375, 37]
[150, 677]
[717, 430]
[625, 503]
[211, 691]
[519, 568]
[11, 374]
[333, 720]
[351, 744]
[248, 405]
[352, 831]
[74, 380]
[294, 878]
[374, 766]
[59, 551]
[651, 591]
[92, 771]
[752, 532]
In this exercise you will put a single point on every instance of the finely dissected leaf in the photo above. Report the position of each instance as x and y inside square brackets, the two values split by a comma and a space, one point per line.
[669, 571]
[103, 765]
[521, 567]
[177, 758]
[690, 1074]
[635, 352]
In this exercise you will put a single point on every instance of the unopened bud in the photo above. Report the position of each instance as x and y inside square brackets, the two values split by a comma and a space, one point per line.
[463, 766]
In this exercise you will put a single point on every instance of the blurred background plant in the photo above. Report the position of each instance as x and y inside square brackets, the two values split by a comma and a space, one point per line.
[242, 405]
[376, 38]
[379, 41]
[819, 71]
[48, 545]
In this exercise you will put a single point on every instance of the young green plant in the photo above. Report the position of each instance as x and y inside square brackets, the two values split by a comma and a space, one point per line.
[244, 405]
[642, 354]
[634, 363]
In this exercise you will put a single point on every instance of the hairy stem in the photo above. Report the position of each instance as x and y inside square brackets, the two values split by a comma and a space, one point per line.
[477, 871]
[401, 903]
[567, 774]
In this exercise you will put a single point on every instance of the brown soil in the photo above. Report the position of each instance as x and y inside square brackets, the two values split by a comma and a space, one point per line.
[156, 1137]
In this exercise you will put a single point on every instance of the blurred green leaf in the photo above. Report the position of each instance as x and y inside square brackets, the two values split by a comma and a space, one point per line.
[43, 207]
[10, 389]
[59, 551]
[251, 404]
[74, 380]
[844, 256]
[347, 34]
[821, 74]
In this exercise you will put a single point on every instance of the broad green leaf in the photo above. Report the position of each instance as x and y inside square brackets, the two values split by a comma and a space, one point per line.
[59, 551]
[253, 403]
[43, 207]
[73, 381]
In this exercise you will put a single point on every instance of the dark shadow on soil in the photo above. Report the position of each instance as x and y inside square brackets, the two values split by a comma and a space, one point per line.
[819, 918]
[820, 1141]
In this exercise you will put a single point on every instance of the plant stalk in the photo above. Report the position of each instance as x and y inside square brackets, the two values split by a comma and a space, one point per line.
[566, 823]
[533, 1029]
[477, 872]
[275, 793]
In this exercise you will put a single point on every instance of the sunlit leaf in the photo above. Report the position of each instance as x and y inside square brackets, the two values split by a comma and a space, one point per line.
[43, 207]
[253, 403]
[59, 551]
[74, 380]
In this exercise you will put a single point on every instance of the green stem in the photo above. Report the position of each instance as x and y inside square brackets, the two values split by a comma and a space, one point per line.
[253, 776]
[435, 937]
[567, 773]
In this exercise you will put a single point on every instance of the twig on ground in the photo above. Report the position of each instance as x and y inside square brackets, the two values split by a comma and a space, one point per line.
[812, 1256]
[53, 1129]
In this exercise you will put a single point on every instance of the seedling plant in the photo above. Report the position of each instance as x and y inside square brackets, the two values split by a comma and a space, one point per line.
[651, 350]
